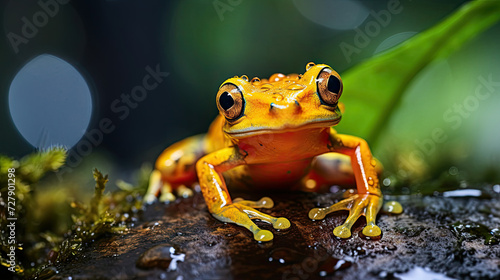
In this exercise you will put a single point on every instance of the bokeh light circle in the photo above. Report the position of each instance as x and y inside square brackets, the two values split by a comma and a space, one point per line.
[335, 14]
[50, 102]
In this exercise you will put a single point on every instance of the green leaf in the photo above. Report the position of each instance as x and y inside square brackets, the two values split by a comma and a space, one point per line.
[374, 88]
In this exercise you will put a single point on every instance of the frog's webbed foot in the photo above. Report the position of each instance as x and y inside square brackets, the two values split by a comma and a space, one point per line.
[157, 186]
[242, 212]
[167, 194]
[358, 205]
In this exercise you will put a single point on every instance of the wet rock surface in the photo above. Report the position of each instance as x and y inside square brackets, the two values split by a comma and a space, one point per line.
[453, 237]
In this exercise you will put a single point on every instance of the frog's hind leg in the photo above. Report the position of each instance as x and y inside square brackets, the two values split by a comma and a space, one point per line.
[175, 170]
[331, 169]
[327, 170]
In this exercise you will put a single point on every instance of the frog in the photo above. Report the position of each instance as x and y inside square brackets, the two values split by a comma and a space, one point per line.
[274, 134]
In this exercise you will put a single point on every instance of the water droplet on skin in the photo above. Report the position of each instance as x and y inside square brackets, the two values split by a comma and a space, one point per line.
[255, 81]
[266, 87]
[296, 87]
[370, 181]
[310, 65]
[277, 77]
[244, 77]
[373, 162]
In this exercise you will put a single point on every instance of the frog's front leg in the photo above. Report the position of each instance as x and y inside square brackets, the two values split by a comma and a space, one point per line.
[220, 205]
[368, 201]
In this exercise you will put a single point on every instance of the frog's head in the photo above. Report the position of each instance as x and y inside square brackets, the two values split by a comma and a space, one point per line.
[281, 103]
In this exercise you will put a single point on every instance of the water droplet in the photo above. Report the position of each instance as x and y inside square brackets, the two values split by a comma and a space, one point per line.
[277, 77]
[244, 77]
[373, 162]
[370, 181]
[255, 81]
[295, 86]
[393, 207]
[266, 87]
[309, 65]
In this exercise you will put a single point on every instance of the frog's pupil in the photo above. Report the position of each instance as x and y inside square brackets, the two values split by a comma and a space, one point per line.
[333, 84]
[226, 101]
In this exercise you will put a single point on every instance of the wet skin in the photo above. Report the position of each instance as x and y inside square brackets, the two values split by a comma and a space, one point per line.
[272, 134]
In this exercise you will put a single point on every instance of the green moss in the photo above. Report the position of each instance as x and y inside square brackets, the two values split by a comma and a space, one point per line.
[46, 246]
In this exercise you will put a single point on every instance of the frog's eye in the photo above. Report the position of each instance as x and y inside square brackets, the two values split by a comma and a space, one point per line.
[329, 87]
[230, 101]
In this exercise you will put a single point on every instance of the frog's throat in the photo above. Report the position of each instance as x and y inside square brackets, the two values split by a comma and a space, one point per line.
[252, 131]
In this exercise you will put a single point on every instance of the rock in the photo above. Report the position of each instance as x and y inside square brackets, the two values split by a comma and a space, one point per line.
[161, 256]
[425, 238]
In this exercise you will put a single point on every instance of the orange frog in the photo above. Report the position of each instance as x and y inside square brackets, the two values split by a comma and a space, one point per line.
[273, 134]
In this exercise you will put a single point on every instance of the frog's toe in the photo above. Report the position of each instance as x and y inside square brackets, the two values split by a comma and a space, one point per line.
[263, 235]
[167, 197]
[281, 223]
[372, 231]
[278, 223]
[317, 214]
[149, 198]
[242, 215]
[358, 205]
[184, 191]
[343, 231]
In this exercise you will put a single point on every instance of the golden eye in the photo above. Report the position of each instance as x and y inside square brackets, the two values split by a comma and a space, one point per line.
[329, 86]
[230, 101]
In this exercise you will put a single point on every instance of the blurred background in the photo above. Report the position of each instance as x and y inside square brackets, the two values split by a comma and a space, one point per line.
[117, 81]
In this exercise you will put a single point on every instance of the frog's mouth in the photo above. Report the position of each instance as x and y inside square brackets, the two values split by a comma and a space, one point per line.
[256, 130]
